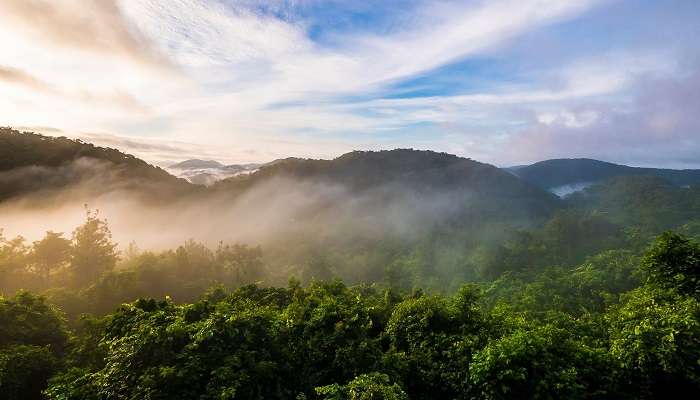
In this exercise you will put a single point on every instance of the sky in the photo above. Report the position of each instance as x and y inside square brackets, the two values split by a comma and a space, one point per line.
[507, 82]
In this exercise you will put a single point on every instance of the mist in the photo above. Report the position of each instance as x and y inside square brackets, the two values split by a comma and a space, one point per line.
[263, 214]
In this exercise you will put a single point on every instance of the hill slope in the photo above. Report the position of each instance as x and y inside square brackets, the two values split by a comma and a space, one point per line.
[433, 182]
[578, 172]
[647, 201]
[30, 162]
[480, 188]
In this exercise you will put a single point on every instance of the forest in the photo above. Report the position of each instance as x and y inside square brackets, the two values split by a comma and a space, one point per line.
[414, 275]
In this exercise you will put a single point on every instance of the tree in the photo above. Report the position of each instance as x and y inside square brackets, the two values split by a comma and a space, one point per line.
[50, 253]
[241, 263]
[331, 333]
[317, 269]
[432, 342]
[24, 371]
[158, 350]
[655, 335]
[33, 340]
[28, 319]
[673, 262]
[373, 386]
[547, 362]
[14, 255]
[93, 252]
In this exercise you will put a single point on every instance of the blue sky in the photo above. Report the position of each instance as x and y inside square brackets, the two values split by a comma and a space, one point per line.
[501, 81]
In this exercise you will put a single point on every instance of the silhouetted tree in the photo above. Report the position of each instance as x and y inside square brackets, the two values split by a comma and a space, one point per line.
[50, 253]
[93, 251]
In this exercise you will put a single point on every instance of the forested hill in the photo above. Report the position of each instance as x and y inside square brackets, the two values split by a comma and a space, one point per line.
[410, 172]
[551, 174]
[640, 200]
[58, 161]
[31, 162]
[426, 169]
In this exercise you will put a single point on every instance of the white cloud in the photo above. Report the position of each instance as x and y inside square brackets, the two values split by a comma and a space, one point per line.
[227, 76]
[568, 118]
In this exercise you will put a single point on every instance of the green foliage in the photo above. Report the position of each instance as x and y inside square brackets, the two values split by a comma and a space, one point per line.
[558, 310]
[14, 265]
[432, 340]
[28, 319]
[33, 339]
[334, 332]
[655, 335]
[372, 386]
[73, 384]
[643, 201]
[544, 362]
[673, 262]
[331, 341]
[24, 371]
[242, 264]
[589, 287]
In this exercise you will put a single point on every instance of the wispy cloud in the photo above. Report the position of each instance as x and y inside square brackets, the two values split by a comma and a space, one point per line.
[95, 26]
[264, 48]
[251, 61]
[18, 77]
[315, 78]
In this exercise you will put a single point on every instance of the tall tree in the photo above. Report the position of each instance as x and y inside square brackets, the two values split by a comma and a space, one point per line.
[93, 251]
[673, 262]
[33, 340]
[50, 253]
[14, 255]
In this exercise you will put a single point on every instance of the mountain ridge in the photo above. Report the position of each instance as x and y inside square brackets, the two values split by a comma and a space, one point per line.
[419, 171]
[32, 163]
[559, 173]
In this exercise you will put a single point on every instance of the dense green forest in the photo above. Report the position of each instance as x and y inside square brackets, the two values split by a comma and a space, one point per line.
[620, 325]
[408, 275]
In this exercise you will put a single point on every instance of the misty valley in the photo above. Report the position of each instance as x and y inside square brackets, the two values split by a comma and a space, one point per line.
[349, 200]
[397, 274]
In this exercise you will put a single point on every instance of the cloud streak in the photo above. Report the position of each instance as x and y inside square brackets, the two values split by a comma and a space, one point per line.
[18, 77]
[94, 26]
[275, 78]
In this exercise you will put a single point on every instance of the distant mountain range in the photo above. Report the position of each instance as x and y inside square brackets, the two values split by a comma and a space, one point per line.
[559, 176]
[32, 162]
[207, 172]
[423, 182]
[567, 175]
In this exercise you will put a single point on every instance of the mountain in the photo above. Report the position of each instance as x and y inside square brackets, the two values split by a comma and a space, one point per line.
[474, 189]
[31, 162]
[197, 164]
[564, 176]
[640, 200]
[438, 186]
[207, 172]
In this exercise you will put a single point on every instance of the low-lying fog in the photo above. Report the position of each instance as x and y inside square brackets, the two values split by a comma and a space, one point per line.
[266, 212]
